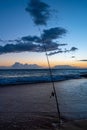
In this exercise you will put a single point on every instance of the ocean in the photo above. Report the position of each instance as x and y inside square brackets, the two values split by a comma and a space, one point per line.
[25, 76]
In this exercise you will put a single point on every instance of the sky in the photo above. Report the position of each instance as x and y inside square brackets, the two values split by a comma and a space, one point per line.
[16, 23]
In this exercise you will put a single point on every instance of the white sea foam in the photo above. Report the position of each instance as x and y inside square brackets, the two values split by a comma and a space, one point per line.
[34, 76]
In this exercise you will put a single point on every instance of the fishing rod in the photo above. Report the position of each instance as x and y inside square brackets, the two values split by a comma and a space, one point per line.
[52, 81]
[41, 10]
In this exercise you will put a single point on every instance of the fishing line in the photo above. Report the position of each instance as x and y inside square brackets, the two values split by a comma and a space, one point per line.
[52, 81]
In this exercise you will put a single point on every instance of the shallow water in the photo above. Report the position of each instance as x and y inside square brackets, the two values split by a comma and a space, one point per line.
[72, 96]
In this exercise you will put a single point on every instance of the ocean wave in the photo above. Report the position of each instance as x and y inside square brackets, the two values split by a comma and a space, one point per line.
[34, 79]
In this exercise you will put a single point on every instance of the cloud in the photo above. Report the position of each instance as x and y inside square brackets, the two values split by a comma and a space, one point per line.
[53, 33]
[29, 44]
[62, 44]
[26, 45]
[47, 36]
[84, 60]
[55, 52]
[39, 11]
[34, 44]
[63, 51]
[31, 38]
[72, 56]
[44, 42]
[73, 49]
[20, 47]
[50, 46]
[70, 50]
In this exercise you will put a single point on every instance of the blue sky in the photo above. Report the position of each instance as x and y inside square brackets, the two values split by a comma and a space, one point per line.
[15, 22]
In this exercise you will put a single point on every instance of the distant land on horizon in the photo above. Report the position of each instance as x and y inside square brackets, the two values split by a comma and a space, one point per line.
[18, 65]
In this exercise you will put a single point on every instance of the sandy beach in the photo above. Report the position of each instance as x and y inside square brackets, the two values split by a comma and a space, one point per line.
[29, 107]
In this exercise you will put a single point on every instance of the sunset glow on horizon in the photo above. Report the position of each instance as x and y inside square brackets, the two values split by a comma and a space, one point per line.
[43, 62]
[16, 24]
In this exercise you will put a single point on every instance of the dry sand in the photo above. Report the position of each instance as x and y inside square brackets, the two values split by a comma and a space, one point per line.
[29, 107]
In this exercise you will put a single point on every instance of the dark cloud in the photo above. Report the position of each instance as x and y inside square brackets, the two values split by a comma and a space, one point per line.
[50, 46]
[63, 51]
[27, 45]
[70, 50]
[45, 42]
[34, 44]
[62, 44]
[10, 40]
[53, 33]
[73, 57]
[55, 52]
[84, 60]
[31, 38]
[73, 49]
[47, 36]
[20, 47]
[39, 11]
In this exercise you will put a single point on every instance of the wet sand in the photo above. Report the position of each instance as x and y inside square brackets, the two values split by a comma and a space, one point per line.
[29, 107]
[26, 106]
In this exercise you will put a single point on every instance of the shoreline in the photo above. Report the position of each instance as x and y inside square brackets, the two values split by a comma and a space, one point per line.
[39, 82]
